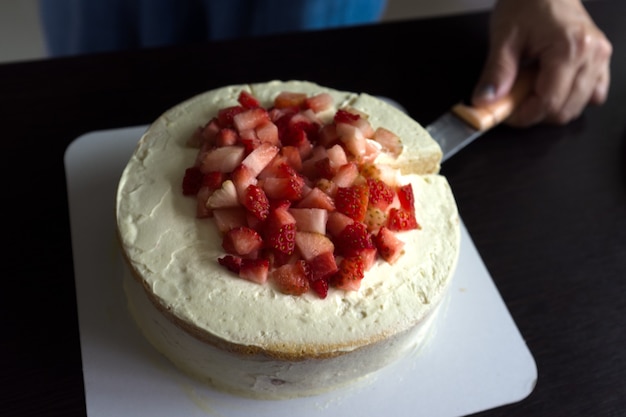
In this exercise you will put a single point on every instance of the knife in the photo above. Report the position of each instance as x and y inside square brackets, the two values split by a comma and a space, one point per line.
[460, 126]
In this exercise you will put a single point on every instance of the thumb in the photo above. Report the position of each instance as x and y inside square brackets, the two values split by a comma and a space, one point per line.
[498, 74]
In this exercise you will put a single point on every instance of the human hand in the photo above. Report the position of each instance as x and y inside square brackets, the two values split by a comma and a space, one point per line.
[571, 54]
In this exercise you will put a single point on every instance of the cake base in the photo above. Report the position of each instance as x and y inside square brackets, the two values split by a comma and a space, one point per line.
[260, 376]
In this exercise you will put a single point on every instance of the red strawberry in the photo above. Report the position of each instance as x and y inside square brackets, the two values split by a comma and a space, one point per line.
[380, 194]
[337, 222]
[247, 100]
[279, 188]
[226, 137]
[320, 287]
[312, 244]
[280, 231]
[291, 278]
[213, 179]
[406, 197]
[229, 218]
[322, 266]
[310, 219]
[242, 241]
[374, 219]
[353, 240]
[389, 246]
[192, 180]
[250, 118]
[352, 201]
[223, 159]
[319, 102]
[259, 158]
[254, 270]
[226, 115]
[389, 141]
[344, 116]
[401, 220]
[317, 198]
[256, 202]
[286, 99]
[230, 262]
[225, 196]
[349, 275]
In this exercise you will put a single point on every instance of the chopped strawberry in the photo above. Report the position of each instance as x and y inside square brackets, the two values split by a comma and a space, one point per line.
[267, 133]
[310, 219]
[317, 198]
[322, 266]
[226, 115]
[289, 99]
[202, 211]
[250, 118]
[229, 218]
[389, 141]
[380, 194]
[213, 179]
[353, 201]
[353, 140]
[192, 180]
[401, 220]
[319, 102]
[311, 244]
[247, 100]
[292, 157]
[259, 158]
[226, 196]
[344, 116]
[346, 175]
[242, 241]
[222, 159]
[375, 218]
[209, 131]
[254, 270]
[256, 202]
[320, 287]
[337, 155]
[349, 275]
[291, 279]
[407, 199]
[279, 188]
[242, 178]
[280, 231]
[353, 240]
[226, 137]
[337, 222]
[232, 263]
[389, 246]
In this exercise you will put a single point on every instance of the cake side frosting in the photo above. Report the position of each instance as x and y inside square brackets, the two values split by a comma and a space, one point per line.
[174, 254]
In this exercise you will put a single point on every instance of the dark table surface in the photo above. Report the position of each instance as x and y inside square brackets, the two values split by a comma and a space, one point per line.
[546, 206]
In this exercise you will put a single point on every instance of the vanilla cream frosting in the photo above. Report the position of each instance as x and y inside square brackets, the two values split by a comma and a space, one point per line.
[173, 256]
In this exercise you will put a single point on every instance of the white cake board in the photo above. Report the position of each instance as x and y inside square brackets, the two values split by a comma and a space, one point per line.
[476, 359]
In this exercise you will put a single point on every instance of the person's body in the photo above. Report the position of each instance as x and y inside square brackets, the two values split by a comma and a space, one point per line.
[570, 51]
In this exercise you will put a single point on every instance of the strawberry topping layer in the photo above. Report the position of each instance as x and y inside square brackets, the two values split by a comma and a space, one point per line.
[299, 203]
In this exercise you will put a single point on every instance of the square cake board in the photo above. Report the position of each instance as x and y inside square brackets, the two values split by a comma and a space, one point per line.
[476, 358]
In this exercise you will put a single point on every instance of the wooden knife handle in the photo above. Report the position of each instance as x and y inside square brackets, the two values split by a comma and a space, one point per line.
[486, 117]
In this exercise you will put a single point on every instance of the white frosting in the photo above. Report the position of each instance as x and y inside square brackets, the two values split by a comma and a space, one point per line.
[176, 254]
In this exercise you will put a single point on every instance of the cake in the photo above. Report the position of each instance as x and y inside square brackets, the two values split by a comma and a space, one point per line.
[250, 333]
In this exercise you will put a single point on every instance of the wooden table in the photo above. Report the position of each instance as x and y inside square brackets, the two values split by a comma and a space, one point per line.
[546, 206]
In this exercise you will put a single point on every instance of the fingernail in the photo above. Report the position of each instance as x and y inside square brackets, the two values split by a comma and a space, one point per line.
[486, 92]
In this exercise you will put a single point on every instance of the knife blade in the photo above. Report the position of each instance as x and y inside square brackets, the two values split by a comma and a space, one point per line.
[464, 123]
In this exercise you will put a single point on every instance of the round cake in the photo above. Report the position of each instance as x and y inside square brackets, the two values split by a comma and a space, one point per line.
[283, 238]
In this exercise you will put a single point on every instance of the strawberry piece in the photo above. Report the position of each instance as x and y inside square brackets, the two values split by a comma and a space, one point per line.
[406, 197]
[310, 219]
[380, 194]
[250, 119]
[337, 222]
[213, 179]
[267, 133]
[352, 201]
[344, 116]
[322, 266]
[316, 198]
[192, 180]
[225, 196]
[223, 159]
[229, 218]
[353, 139]
[320, 287]
[349, 275]
[232, 263]
[247, 100]
[259, 158]
[254, 270]
[388, 245]
[288, 99]
[390, 142]
[346, 175]
[375, 218]
[280, 231]
[279, 188]
[353, 240]
[242, 178]
[401, 220]
[319, 102]
[226, 115]
[311, 244]
[202, 211]
[256, 202]
[292, 278]
[226, 137]
[242, 241]
[209, 131]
